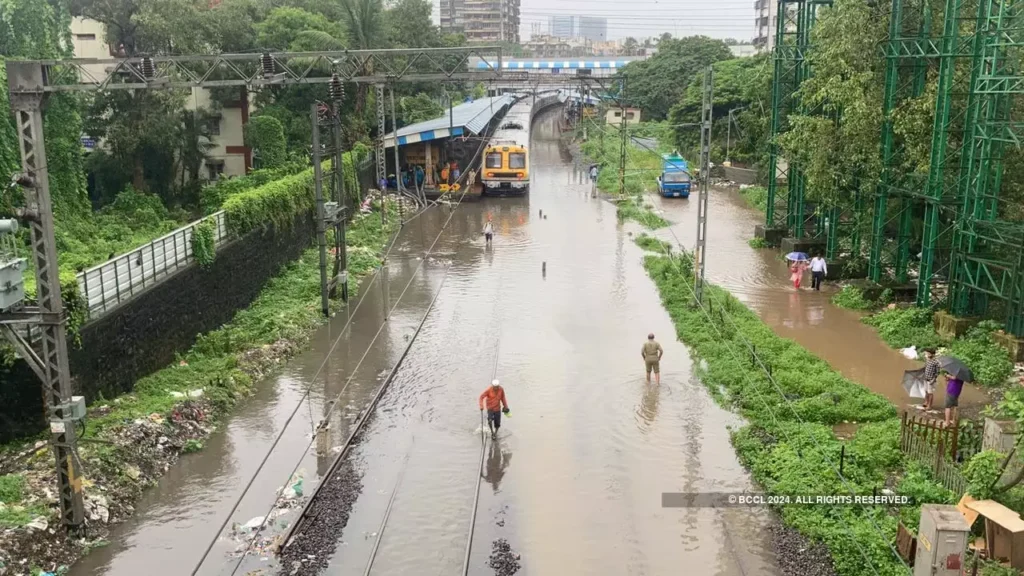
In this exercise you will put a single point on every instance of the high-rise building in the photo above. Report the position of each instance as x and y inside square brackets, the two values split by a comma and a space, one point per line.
[766, 19]
[588, 27]
[482, 20]
[593, 28]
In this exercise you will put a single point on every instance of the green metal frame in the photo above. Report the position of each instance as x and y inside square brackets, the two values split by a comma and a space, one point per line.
[786, 208]
[988, 253]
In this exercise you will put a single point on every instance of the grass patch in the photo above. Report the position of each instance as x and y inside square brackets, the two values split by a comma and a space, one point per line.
[757, 243]
[635, 209]
[852, 298]
[11, 488]
[789, 446]
[12, 513]
[652, 244]
[756, 197]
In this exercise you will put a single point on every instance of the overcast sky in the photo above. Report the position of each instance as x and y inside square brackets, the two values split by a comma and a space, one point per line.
[644, 18]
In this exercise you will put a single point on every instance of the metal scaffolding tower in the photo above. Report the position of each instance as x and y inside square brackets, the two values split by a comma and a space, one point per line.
[785, 209]
[987, 251]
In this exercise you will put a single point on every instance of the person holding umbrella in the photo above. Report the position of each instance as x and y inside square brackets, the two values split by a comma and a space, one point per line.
[956, 374]
[796, 270]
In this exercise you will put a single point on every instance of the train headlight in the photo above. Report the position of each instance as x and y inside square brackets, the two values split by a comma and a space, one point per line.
[490, 174]
[519, 175]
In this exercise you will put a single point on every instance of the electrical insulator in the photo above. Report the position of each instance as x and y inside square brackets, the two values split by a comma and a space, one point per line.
[148, 70]
[268, 65]
[337, 89]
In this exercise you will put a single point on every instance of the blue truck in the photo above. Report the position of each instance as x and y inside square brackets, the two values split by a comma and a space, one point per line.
[674, 181]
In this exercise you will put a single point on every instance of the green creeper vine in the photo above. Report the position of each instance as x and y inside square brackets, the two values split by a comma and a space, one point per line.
[203, 249]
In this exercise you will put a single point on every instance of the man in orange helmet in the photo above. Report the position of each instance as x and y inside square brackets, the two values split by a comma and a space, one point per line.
[494, 399]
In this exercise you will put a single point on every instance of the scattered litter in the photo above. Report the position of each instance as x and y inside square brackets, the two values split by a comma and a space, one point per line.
[156, 418]
[38, 523]
[97, 508]
[909, 353]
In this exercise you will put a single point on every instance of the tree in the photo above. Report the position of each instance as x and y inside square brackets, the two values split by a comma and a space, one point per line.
[742, 85]
[34, 29]
[630, 46]
[419, 108]
[284, 26]
[364, 24]
[835, 138]
[656, 84]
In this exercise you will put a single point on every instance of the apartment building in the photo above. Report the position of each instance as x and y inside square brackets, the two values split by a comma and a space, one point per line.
[482, 20]
[228, 155]
[766, 20]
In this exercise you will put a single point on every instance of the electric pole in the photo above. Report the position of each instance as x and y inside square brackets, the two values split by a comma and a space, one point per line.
[623, 140]
[321, 216]
[51, 365]
[382, 161]
[705, 178]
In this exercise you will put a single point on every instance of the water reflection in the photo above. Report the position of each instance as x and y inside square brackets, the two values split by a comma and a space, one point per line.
[497, 463]
[649, 406]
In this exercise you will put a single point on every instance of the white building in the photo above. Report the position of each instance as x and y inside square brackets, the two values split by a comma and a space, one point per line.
[743, 50]
[614, 116]
[228, 155]
[766, 18]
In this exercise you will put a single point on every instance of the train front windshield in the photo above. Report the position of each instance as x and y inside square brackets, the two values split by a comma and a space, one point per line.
[517, 161]
[493, 160]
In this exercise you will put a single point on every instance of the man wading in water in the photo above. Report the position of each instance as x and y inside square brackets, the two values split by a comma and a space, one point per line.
[651, 353]
[496, 404]
[488, 230]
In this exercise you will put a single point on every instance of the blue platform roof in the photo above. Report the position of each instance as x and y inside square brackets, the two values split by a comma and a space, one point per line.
[576, 64]
[469, 117]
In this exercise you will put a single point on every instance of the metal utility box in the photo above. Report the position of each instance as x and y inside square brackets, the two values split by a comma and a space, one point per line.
[12, 281]
[941, 541]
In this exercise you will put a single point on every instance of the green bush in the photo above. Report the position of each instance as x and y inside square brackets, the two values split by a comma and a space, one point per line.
[203, 243]
[903, 327]
[757, 243]
[756, 197]
[990, 362]
[852, 298]
[265, 136]
[981, 472]
[212, 197]
[278, 202]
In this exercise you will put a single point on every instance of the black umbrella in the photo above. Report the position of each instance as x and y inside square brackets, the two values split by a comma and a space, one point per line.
[956, 368]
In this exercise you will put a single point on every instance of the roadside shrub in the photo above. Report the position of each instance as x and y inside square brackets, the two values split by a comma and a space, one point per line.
[203, 249]
[276, 202]
[756, 197]
[852, 298]
[989, 361]
[265, 136]
[903, 327]
[981, 472]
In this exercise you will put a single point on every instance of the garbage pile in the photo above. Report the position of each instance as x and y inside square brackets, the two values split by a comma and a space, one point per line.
[263, 535]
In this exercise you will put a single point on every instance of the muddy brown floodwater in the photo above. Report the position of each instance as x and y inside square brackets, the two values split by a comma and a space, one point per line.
[574, 482]
[760, 279]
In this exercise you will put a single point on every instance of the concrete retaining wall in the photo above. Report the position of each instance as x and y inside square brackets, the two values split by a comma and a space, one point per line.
[146, 333]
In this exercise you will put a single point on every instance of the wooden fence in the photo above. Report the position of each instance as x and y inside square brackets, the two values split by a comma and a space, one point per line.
[942, 449]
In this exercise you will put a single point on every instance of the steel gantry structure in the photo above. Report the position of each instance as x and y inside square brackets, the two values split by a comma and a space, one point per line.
[967, 55]
[785, 207]
[31, 81]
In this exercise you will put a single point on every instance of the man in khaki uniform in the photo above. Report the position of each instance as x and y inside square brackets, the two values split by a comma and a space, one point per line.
[651, 353]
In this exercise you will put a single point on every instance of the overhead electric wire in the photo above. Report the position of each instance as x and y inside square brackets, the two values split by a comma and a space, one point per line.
[333, 404]
[298, 405]
[725, 315]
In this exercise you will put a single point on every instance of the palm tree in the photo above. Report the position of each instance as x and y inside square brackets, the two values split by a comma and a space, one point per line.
[364, 22]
